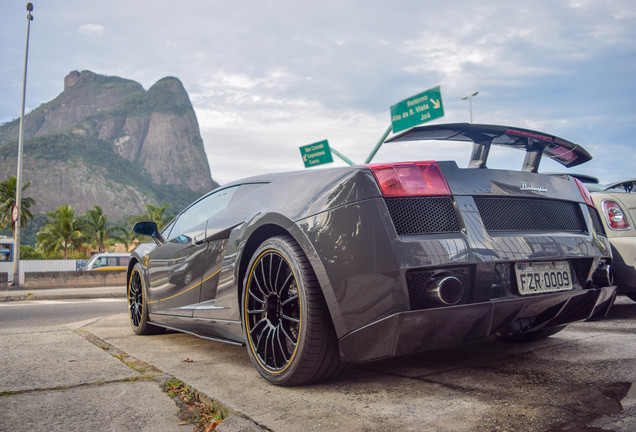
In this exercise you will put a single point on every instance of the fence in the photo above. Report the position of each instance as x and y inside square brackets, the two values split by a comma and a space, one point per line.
[61, 273]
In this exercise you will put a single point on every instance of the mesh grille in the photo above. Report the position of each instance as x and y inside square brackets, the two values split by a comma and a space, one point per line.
[417, 281]
[528, 214]
[423, 215]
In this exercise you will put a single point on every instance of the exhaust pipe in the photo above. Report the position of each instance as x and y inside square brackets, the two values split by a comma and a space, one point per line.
[447, 290]
[603, 275]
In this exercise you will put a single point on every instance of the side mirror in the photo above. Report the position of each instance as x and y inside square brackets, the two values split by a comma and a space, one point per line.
[149, 229]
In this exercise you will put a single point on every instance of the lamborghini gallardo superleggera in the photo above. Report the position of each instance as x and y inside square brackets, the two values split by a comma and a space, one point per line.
[316, 270]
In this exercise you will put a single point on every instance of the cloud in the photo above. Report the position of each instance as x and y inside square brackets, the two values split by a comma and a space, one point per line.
[267, 78]
[91, 29]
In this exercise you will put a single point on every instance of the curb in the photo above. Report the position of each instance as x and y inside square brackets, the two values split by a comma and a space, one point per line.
[74, 293]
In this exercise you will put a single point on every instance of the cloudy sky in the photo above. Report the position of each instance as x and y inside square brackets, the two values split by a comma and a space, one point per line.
[266, 77]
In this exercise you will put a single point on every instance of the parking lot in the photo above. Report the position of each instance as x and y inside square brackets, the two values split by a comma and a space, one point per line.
[70, 378]
[580, 377]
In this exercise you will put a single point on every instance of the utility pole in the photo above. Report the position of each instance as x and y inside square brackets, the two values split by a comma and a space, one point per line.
[470, 103]
[18, 177]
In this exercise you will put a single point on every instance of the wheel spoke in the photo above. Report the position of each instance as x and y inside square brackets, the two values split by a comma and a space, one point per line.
[287, 336]
[255, 328]
[280, 264]
[294, 320]
[286, 282]
[264, 278]
[256, 298]
[284, 303]
[280, 334]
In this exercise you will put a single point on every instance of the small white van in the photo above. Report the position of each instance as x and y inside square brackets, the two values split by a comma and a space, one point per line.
[108, 261]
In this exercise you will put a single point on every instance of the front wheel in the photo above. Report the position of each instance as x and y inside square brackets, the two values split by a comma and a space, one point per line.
[289, 335]
[138, 305]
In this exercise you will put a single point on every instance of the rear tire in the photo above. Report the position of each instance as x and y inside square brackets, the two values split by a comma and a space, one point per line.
[138, 305]
[532, 335]
[288, 331]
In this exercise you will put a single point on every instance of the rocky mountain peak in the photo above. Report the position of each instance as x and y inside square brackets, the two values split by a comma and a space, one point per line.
[106, 141]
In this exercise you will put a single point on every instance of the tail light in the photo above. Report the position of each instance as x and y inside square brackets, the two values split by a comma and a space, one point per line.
[410, 179]
[614, 215]
[585, 193]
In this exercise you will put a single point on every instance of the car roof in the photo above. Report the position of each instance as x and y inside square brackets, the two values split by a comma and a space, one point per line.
[628, 185]
[535, 143]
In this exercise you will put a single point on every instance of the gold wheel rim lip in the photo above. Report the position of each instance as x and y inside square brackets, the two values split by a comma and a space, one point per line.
[300, 328]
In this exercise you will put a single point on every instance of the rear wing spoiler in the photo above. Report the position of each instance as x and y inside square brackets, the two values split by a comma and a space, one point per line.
[536, 144]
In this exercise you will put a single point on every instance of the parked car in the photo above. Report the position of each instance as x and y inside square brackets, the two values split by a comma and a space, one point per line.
[318, 269]
[617, 205]
[108, 261]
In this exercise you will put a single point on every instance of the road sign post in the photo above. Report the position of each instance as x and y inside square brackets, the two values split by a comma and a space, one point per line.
[417, 109]
[316, 154]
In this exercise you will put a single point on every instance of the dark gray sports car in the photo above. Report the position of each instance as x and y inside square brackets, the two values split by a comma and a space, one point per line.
[318, 269]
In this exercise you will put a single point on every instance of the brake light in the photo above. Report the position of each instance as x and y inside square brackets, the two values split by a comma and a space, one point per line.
[585, 193]
[529, 135]
[614, 215]
[410, 179]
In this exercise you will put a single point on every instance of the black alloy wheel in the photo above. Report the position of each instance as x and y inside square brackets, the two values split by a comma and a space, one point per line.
[273, 311]
[137, 304]
[135, 299]
[289, 334]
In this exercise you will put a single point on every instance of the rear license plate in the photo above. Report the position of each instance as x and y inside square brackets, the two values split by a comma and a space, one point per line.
[535, 278]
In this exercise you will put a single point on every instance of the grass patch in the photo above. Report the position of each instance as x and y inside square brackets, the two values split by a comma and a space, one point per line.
[203, 416]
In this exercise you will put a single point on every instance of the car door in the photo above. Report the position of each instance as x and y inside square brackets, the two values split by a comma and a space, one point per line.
[175, 269]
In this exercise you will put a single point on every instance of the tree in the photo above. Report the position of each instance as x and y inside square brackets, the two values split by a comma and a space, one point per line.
[154, 214]
[157, 215]
[62, 232]
[7, 201]
[98, 230]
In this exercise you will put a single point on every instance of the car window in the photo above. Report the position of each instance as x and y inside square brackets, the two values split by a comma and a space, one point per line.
[99, 262]
[201, 210]
[165, 233]
[246, 189]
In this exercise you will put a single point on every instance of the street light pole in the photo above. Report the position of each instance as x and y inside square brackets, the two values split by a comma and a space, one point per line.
[470, 104]
[18, 177]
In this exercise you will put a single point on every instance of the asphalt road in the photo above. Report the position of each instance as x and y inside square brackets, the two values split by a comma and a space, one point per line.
[43, 313]
[581, 379]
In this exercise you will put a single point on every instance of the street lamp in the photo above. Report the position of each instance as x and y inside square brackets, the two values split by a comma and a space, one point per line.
[18, 177]
[470, 104]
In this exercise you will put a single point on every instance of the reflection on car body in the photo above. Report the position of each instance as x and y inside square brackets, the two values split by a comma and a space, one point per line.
[318, 269]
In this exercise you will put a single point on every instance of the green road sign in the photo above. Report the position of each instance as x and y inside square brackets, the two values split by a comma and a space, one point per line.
[417, 109]
[316, 154]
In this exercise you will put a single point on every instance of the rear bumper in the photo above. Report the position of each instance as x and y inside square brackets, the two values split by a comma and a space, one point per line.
[423, 330]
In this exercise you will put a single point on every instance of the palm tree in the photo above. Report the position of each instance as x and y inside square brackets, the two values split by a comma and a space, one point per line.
[62, 232]
[99, 231]
[157, 215]
[7, 201]
[154, 214]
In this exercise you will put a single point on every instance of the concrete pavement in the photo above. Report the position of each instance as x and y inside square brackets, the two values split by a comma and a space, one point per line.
[71, 378]
[63, 378]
